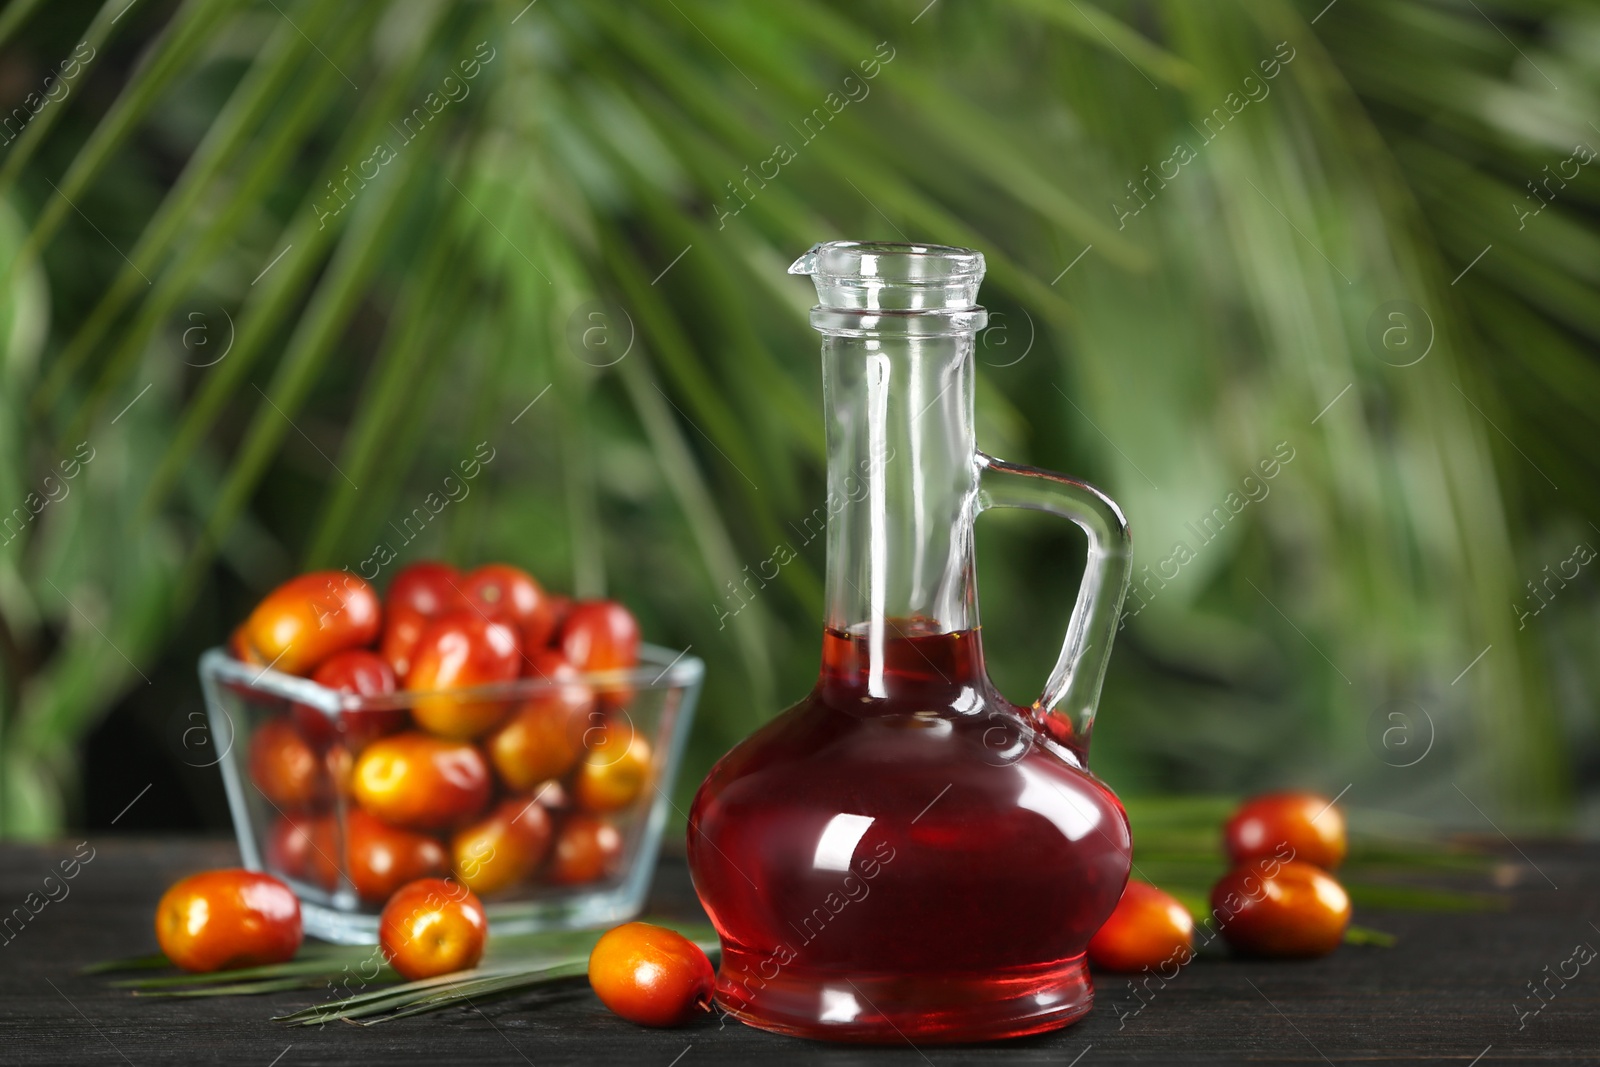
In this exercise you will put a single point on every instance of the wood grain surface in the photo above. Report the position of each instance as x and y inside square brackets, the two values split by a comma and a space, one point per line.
[1455, 990]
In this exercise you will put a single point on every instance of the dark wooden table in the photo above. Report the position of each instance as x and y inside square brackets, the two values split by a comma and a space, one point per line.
[1452, 992]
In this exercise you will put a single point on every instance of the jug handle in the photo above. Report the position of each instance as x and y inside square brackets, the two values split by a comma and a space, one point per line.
[1073, 689]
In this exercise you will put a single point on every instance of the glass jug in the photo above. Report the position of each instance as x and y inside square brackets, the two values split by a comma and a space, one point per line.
[904, 854]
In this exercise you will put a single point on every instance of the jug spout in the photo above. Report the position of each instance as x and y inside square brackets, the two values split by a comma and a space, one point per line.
[806, 264]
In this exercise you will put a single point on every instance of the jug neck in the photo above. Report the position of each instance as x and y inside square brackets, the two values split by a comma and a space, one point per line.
[899, 324]
[903, 488]
[902, 484]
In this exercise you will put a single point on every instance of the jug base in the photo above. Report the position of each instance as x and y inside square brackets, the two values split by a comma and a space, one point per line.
[886, 1008]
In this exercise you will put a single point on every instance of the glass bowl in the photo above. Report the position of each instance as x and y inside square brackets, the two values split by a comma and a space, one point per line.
[283, 741]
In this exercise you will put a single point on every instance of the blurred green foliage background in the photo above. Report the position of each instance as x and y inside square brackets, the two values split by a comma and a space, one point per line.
[274, 268]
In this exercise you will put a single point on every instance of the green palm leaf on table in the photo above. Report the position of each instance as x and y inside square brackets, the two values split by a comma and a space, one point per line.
[1178, 847]
[512, 963]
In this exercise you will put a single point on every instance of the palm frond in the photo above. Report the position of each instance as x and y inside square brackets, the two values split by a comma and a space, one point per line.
[1173, 348]
[512, 964]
